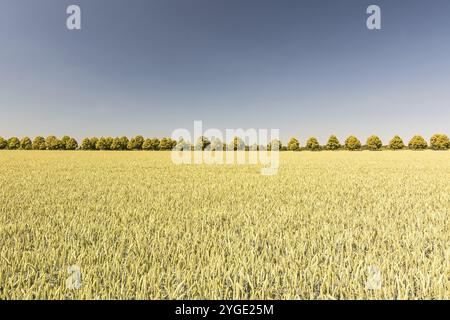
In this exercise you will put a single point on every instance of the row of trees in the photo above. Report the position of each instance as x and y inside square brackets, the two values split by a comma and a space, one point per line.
[68, 143]
[437, 142]
[39, 143]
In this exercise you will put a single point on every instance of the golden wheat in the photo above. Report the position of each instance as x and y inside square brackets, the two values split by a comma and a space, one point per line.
[140, 227]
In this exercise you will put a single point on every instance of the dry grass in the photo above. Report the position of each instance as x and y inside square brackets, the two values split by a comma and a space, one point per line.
[142, 228]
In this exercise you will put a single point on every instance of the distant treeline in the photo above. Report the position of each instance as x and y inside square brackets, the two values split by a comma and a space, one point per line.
[437, 142]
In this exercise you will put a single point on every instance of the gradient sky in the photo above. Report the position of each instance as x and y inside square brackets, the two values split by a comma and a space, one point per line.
[151, 66]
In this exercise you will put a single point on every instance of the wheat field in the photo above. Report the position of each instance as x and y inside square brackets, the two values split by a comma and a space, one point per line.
[140, 227]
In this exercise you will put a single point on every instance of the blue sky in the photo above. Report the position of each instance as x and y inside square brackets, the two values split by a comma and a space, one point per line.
[151, 66]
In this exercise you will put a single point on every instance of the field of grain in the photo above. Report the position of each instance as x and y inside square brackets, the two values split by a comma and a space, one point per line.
[140, 227]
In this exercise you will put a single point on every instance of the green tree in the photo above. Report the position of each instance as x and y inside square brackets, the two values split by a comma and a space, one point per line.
[64, 141]
[124, 143]
[293, 145]
[13, 143]
[182, 145]
[396, 143]
[167, 144]
[135, 143]
[202, 143]
[86, 144]
[26, 144]
[116, 144]
[237, 144]
[275, 145]
[333, 143]
[146, 145]
[71, 144]
[101, 145]
[3, 143]
[108, 142]
[417, 143]
[312, 144]
[139, 141]
[104, 143]
[374, 143]
[439, 142]
[53, 143]
[132, 144]
[151, 144]
[154, 144]
[39, 143]
[93, 142]
[352, 143]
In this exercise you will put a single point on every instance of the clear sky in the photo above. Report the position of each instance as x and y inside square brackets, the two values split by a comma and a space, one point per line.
[150, 66]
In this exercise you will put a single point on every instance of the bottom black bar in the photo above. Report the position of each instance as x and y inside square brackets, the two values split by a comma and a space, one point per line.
[223, 309]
